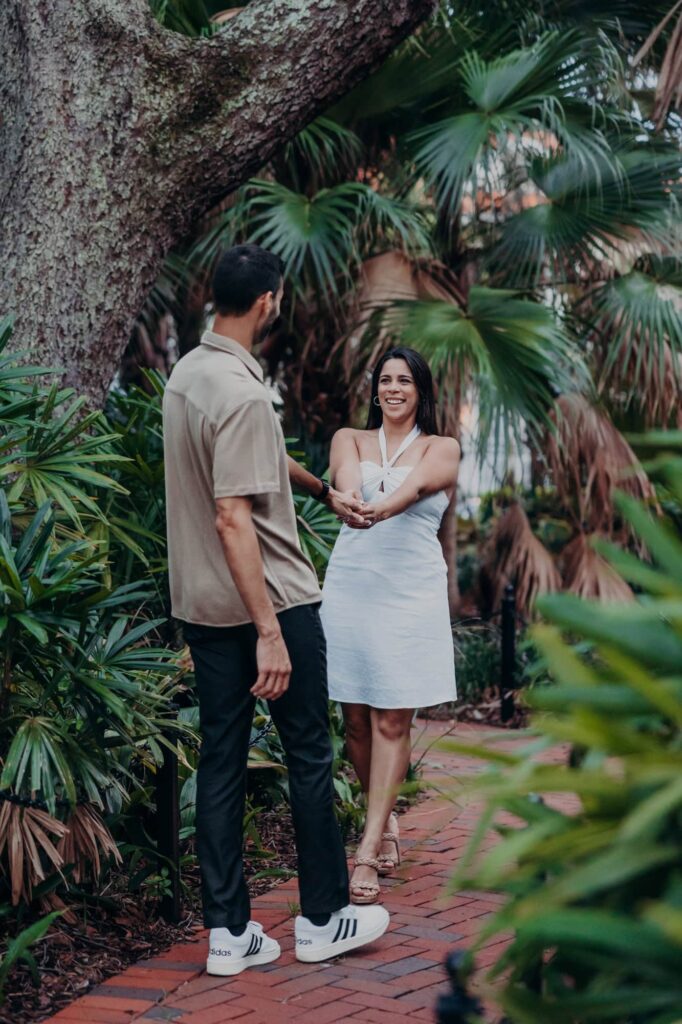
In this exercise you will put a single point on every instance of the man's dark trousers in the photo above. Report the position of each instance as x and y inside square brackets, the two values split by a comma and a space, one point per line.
[225, 669]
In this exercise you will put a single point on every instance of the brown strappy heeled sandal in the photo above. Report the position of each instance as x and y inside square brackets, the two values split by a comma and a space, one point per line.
[389, 862]
[365, 892]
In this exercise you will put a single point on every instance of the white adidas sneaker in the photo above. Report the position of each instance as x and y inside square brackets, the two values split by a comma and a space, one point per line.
[232, 954]
[347, 929]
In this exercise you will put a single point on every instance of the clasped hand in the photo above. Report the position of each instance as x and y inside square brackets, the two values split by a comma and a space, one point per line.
[351, 509]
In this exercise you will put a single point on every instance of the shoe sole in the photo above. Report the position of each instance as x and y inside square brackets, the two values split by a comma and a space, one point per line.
[334, 949]
[223, 970]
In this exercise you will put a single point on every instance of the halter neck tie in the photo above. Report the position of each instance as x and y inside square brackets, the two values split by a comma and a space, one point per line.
[386, 464]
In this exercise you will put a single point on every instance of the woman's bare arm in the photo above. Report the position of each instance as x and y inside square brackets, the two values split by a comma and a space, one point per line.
[344, 461]
[437, 471]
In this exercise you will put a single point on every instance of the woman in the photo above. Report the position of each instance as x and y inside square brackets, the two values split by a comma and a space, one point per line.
[385, 606]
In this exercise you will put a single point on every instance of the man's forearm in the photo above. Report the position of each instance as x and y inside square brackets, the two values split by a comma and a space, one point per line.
[302, 480]
[245, 562]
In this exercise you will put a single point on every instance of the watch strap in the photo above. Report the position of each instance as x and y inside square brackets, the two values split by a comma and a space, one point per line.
[322, 496]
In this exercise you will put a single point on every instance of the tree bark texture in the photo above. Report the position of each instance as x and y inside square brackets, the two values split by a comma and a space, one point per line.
[117, 134]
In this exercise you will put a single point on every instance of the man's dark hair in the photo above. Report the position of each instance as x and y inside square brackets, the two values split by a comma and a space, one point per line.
[242, 275]
[421, 372]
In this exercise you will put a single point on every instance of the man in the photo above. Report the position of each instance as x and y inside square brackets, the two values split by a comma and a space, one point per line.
[249, 602]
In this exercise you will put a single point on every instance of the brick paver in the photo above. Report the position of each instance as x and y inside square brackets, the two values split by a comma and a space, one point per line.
[396, 980]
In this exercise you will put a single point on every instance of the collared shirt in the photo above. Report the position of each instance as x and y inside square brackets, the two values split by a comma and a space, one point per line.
[222, 438]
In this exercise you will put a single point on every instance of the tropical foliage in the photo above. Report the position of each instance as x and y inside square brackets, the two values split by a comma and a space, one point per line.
[593, 897]
[498, 196]
[86, 694]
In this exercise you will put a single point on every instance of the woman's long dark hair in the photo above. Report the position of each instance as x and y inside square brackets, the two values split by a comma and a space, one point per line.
[423, 379]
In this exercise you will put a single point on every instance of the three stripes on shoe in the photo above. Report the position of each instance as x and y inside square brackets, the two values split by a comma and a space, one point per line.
[347, 928]
[254, 945]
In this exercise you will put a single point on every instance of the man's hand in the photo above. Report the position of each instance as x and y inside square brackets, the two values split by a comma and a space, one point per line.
[346, 505]
[274, 666]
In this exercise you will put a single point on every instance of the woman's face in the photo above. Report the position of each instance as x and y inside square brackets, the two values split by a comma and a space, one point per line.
[398, 392]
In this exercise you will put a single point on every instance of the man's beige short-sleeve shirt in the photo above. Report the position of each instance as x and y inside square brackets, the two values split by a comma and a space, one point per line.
[222, 438]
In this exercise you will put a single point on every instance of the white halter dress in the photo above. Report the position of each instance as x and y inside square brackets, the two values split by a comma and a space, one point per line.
[385, 603]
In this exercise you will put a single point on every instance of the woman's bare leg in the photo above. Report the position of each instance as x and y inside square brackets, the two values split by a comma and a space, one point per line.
[359, 740]
[390, 759]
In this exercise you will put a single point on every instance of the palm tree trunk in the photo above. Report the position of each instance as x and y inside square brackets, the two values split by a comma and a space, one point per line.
[448, 540]
[449, 423]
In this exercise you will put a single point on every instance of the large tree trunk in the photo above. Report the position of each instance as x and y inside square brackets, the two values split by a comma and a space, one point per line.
[118, 134]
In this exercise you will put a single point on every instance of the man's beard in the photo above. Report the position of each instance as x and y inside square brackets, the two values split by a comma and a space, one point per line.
[262, 332]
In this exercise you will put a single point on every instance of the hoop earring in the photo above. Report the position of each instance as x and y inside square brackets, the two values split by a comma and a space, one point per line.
[376, 400]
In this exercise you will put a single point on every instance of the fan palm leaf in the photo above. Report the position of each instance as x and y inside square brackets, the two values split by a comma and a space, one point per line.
[515, 555]
[26, 834]
[588, 575]
[668, 93]
[588, 459]
[320, 237]
[582, 213]
[635, 320]
[87, 841]
[514, 351]
[529, 96]
[324, 148]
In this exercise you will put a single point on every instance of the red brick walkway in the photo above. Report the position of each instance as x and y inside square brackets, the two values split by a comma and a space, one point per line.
[396, 981]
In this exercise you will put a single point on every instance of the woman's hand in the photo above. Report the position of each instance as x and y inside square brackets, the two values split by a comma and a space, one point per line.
[370, 512]
[346, 505]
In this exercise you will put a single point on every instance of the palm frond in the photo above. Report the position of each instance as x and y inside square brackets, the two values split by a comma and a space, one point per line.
[529, 96]
[314, 236]
[515, 555]
[635, 322]
[668, 93]
[324, 147]
[589, 575]
[87, 842]
[27, 834]
[321, 238]
[514, 351]
[582, 214]
[318, 529]
[588, 459]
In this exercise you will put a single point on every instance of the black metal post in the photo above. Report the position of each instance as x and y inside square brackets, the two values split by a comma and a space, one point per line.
[508, 660]
[457, 1007]
[168, 832]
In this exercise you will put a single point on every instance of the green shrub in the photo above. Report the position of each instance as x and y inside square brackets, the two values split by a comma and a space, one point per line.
[594, 898]
[478, 656]
[85, 698]
[477, 660]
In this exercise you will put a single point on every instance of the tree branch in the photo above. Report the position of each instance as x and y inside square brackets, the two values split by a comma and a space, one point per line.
[237, 97]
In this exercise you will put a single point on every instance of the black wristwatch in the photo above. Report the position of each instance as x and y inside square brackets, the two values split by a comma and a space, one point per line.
[322, 496]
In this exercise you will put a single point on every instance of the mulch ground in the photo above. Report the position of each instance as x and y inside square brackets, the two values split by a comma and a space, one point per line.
[397, 980]
[116, 929]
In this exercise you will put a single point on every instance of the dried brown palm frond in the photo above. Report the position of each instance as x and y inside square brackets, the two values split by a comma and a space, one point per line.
[515, 555]
[669, 84]
[587, 574]
[589, 459]
[656, 388]
[87, 841]
[27, 851]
